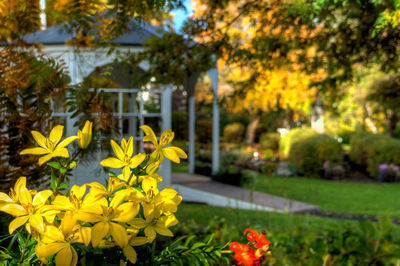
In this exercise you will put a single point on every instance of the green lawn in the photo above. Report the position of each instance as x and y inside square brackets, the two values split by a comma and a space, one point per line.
[335, 196]
[270, 221]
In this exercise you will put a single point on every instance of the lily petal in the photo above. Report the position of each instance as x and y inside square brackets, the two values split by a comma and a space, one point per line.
[56, 134]
[150, 136]
[112, 163]
[41, 197]
[119, 234]
[49, 249]
[129, 147]
[66, 142]
[99, 231]
[137, 160]
[171, 154]
[13, 209]
[34, 151]
[64, 256]
[17, 222]
[117, 150]
[130, 254]
[39, 138]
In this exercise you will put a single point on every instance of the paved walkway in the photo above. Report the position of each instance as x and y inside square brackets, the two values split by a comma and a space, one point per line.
[203, 189]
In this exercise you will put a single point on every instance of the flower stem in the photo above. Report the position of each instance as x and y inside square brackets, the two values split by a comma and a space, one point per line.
[24, 250]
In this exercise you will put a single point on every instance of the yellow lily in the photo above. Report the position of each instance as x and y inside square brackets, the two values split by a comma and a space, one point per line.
[98, 190]
[85, 208]
[171, 152]
[13, 195]
[124, 155]
[85, 136]
[127, 174]
[28, 209]
[166, 201]
[108, 223]
[59, 241]
[134, 240]
[51, 145]
[155, 224]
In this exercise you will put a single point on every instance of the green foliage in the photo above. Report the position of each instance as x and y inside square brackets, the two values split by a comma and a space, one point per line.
[293, 136]
[188, 250]
[304, 243]
[204, 130]
[370, 150]
[27, 85]
[270, 141]
[309, 155]
[233, 133]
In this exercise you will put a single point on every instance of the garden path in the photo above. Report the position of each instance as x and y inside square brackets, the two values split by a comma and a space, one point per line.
[202, 189]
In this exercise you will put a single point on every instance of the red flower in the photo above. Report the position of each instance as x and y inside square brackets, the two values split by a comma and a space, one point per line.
[244, 254]
[259, 242]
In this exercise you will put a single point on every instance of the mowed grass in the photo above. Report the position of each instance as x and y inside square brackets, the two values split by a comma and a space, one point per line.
[242, 219]
[373, 199]
[206, 216]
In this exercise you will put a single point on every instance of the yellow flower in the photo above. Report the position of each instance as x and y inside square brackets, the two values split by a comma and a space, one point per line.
[155, 224]
[171, 152]
[124, 155]
[27, 209]
[59, 241]
[50, 145]
[84, 208]
[98, 190]
[166, 201]
[85, 136]
[133, 179]
[108, 223]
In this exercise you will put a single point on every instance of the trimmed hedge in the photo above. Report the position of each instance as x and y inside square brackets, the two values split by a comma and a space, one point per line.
[234, 132]
[293, 136]
[309, 155]
[270, 141]
[370, 150]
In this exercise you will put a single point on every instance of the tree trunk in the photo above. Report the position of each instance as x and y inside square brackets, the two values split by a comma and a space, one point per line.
[252, 127]
[392, 123]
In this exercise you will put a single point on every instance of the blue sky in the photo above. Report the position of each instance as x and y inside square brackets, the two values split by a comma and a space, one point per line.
[181, 15]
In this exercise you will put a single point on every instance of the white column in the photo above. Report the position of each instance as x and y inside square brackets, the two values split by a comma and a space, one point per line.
[192, 120]
[213, 74]
[165, 168]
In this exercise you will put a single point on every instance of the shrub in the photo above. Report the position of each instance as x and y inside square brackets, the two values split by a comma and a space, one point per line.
[293, 136]
[309, 155]
[370, 150]
[270, 141]
[234, 132]
[204, 130]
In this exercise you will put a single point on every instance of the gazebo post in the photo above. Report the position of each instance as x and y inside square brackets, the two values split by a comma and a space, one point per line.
[213, 74]
[166, 124]
[71, 130]
[189, 84]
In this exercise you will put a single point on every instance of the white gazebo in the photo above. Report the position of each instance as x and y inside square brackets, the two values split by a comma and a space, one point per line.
[81, 62]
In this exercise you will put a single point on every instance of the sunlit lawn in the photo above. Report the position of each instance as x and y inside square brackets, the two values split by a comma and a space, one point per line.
[335, 196]
[275, 222]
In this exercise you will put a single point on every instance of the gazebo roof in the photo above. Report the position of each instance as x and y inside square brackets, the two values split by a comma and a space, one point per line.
[137, 33]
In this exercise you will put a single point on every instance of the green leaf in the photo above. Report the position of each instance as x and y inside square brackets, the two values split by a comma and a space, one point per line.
[197, 245]
[63, 170]
[53, 180]
[64, 186]
[55, 165]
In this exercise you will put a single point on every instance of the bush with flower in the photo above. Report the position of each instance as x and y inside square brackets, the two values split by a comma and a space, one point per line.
[119, 222]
